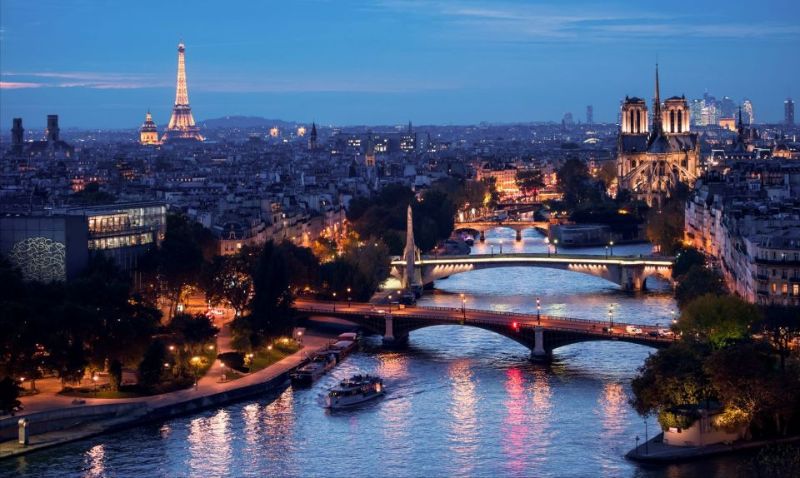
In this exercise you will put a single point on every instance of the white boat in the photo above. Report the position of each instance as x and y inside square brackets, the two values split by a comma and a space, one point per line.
[354, 390]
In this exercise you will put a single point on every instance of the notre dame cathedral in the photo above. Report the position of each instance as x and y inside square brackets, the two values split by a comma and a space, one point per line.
[652, 160]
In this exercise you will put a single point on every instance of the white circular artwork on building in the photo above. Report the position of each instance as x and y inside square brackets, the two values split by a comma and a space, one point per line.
[40, 259]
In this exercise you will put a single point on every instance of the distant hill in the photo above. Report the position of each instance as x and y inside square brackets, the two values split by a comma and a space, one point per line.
[244, 122]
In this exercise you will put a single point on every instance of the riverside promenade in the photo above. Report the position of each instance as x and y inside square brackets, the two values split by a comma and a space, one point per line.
[55, 420]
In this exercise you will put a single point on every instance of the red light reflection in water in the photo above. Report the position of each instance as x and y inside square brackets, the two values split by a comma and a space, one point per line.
[515, 430]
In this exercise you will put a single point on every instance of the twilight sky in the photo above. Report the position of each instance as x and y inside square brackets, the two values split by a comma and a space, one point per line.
[103, 63]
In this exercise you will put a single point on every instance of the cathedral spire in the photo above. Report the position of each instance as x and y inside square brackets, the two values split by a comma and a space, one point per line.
[657, 107]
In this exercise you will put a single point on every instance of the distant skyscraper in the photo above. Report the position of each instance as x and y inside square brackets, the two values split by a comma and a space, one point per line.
[17, 133]
[727, 107]
[148, 133]
[53, 130]
[181, 124]
[696, 110]
[788, 112]
[747, 110]
[590, 114]
[567, 120]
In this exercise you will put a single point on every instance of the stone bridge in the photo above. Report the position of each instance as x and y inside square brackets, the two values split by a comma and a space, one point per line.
[480, 227]
[629, 272]
[539, 333]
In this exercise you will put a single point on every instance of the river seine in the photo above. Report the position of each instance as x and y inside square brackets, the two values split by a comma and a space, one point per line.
[461, 401]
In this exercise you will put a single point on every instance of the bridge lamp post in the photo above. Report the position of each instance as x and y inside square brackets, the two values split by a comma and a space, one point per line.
[611, 316]
[611, 247]
[606, 252]
[463, 307]
[501, 246]
[334, 301]
[538, 311]
[555, 243]
[349, 298]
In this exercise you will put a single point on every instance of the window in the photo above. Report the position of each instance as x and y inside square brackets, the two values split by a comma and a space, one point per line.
[795, 289]
[784, 288]
[774, 287]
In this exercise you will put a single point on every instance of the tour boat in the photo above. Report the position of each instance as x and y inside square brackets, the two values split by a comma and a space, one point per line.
[354, 390]
[307, 374]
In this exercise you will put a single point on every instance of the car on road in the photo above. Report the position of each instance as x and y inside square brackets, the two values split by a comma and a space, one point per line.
[632, 329]
[666, 333]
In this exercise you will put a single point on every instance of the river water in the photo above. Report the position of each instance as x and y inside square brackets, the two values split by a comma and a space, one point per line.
[461, 401]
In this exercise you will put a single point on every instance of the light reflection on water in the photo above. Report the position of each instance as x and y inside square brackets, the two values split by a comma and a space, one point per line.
[460, 401]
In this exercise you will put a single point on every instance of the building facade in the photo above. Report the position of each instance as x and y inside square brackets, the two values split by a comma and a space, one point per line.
[651, 161]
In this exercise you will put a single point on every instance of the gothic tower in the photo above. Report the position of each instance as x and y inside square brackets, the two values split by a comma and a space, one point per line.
[181, 124]
[312, 137]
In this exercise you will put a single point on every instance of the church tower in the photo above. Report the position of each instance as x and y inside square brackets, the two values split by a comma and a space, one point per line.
[634, 116]
[312, 137]
[148, 133]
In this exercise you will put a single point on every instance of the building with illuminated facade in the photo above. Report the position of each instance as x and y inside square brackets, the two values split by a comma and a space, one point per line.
[747, 222]
[57, 244]
[148, 133]
[652, 161]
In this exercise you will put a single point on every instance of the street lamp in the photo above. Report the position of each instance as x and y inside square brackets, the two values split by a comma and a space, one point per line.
[95, 378]
[349, 298]
[555, 243]
[501, 246]
[538, 311]
[606, 252]
[611, 247]
[196, 363]
[334, 301]
[610, 317]
[463, 307]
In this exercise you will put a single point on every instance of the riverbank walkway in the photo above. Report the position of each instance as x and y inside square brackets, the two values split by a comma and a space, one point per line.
[48, 404]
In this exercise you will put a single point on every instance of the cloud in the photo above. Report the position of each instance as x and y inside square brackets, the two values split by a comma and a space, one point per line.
[94, 80]
[503, 21]
[18, 85]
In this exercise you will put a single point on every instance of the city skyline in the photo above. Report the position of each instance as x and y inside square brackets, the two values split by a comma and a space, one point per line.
[434, 63]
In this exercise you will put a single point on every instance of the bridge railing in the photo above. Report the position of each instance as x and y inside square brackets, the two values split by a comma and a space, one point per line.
[529, 321]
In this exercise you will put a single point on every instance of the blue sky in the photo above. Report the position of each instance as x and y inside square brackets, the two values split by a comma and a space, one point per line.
[103, 63]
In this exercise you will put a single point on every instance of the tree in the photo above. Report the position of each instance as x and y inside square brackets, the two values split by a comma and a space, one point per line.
[229, 279]
[114, 375]
[696, 282]
[685, 258]
[192, 331]
[665, 224]
[717, 320]
[670, 378]
[9, 391]
[529, 181]
[270, 310]
[607, 172]
[151, 368]
[754, 391]
[577, 185]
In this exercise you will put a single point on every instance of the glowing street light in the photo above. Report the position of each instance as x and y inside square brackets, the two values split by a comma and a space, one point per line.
[95, 378]
[611, 316]
[555, 243]
[538, 311]
[463, 307]
[501, 246]
[334, 301]
[196, 363]
[349, 298]
[611, 247]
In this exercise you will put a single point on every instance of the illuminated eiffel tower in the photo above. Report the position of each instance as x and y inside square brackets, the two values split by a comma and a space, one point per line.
[181, 124]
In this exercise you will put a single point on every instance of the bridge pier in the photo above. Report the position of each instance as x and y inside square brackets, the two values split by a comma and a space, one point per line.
[519, 235]
[539, 353]
[391, 340]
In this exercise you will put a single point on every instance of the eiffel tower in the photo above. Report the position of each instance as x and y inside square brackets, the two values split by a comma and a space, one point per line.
[181, 124]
